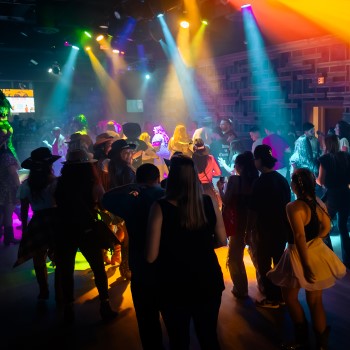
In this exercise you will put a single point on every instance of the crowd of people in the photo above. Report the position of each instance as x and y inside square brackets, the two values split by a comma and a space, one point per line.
[201, 192]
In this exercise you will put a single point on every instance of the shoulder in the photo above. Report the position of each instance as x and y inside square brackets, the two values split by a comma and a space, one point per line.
[297, 206]
[233, 179]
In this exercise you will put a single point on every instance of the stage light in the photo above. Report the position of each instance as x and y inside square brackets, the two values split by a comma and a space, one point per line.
[99, 38]
[160, 15]
[147, 76]
[246, 6]
[34, 62]
[55, 69]
[115, 51]
[205, 22]
[122, 52]
[87, 34]
[66, 43]
[87, 48]
[75, 47]
[184, 24]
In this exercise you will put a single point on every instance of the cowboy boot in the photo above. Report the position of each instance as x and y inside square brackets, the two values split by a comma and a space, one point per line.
[9, 238]
[322, 339]
[124, 265]
[301, 334]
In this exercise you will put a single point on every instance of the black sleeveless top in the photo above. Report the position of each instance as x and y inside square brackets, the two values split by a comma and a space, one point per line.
[312, 228]
[187, 264]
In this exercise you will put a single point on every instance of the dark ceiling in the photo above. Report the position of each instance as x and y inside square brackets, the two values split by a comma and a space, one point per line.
[37, 29]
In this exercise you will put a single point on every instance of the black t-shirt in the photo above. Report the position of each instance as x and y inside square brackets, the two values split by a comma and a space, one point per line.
[270, 195]
[220, 148]
[337, 169]
[134, 209]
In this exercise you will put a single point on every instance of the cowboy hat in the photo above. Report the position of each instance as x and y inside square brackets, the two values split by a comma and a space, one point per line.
[39, 157]
[78, 156]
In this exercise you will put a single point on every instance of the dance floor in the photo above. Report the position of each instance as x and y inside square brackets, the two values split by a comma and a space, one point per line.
[29, 324]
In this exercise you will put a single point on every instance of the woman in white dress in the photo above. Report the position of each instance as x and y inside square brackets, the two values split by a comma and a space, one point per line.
[307, 262]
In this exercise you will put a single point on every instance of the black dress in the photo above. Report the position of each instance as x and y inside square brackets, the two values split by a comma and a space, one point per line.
[187, 259]
[190, 278]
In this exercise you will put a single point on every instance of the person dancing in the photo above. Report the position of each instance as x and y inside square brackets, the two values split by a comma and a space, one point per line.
[307, 262]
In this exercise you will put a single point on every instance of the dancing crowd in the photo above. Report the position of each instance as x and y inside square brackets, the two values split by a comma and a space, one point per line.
[193, 193]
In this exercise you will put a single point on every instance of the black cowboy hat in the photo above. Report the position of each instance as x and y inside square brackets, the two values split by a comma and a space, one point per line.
[38, 157]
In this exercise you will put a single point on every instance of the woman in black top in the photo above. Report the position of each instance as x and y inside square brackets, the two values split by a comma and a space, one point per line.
[183, 228]
[307, 262]
[334, 174]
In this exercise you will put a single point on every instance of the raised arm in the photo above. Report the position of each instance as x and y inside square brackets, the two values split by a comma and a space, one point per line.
[154, 229]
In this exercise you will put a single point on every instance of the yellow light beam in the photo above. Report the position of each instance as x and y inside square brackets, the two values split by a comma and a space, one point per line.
[115, 98]
[331, 16]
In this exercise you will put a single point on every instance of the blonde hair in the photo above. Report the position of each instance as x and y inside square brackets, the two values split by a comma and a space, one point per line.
[180, 133]
[145, 137]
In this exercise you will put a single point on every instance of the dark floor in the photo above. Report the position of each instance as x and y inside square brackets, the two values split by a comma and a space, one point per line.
[28, 324]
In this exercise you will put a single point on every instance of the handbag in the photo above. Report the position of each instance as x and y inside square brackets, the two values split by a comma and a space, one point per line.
[100, 230]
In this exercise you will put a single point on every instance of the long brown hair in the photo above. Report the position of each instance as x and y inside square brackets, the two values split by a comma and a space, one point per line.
[184, 187]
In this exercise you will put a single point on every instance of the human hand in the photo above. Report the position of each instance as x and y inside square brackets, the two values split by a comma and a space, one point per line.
[221, 161]
[220, 185]
[308, 274]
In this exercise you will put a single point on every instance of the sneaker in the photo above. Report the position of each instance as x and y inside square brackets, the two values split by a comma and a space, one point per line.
[268, 304]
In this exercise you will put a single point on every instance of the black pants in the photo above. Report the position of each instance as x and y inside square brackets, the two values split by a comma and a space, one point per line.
[146, 303]
[66, 248]
[338, 202]
[203, 311]
[269, 252]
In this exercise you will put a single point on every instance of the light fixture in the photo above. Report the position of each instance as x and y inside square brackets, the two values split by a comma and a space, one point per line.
[55, 68]
[160, 15]
[100, 37]
[147, 76]
[87, 48]
[103, 26]
[87, 34]
[34, 62]
[75, 47]
[184, 24]
[246, 6]
[115, 51]
[205, 22]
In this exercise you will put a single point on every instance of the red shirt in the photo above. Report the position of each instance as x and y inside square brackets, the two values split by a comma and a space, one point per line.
[212, 169]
